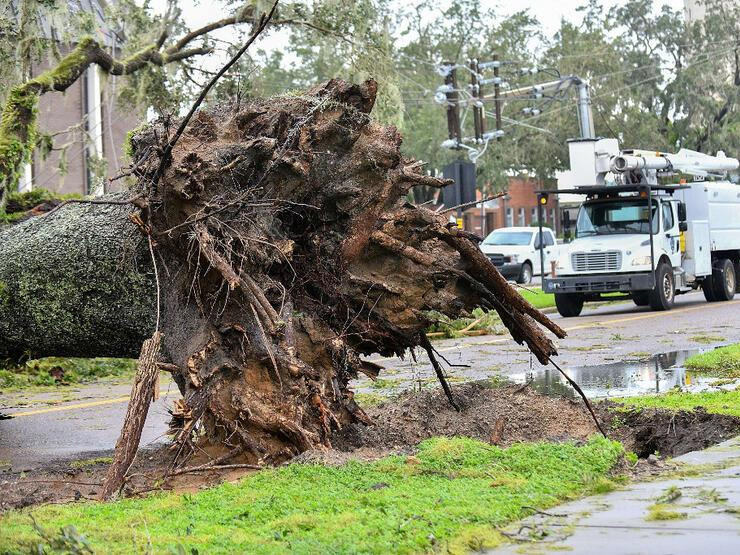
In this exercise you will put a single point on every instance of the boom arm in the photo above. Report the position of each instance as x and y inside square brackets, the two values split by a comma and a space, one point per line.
[685, 161]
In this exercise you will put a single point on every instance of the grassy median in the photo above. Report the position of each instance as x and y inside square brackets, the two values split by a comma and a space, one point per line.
[723, 362]
[451, 496]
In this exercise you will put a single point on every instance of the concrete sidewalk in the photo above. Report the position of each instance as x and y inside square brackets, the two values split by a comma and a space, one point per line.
[707, 506]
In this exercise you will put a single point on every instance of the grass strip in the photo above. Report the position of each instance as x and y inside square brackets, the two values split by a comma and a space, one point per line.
[723, 362]
[451, 496]
[717, 402]
[44, 372]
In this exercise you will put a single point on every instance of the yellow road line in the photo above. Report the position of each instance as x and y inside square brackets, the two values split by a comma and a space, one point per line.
[115, 400]
[650, 315]
[595, 324]
[75, 406]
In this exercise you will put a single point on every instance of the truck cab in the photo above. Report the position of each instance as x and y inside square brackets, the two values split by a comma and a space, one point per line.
[613, 252]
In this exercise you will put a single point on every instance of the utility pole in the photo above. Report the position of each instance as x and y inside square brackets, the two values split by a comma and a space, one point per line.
[478, 115]
[497, 93]
[453, 105]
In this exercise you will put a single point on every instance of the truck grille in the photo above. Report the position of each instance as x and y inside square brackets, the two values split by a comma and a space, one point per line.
[497, 259]
[609, 261]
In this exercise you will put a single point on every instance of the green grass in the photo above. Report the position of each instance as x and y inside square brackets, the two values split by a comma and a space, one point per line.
[718, 402]
[537, 298]
[707, 339]
[723, 362]
[450, 497]
[39, 373]
[488, 321]
[661, 511]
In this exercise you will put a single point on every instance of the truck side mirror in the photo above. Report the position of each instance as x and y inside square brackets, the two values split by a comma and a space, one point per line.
[683, 226]
[682, 212]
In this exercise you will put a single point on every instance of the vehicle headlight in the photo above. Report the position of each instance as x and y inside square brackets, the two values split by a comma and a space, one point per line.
[511, 258]
[641, 261]
[560, 264]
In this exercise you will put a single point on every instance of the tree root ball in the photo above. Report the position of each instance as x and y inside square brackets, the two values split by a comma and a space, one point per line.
[286, 251]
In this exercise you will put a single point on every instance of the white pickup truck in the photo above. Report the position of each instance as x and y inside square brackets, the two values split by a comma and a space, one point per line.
[515, 251]
[651, 241]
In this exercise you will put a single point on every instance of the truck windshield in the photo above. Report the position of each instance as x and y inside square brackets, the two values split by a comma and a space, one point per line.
[609, 217]
[508, 238]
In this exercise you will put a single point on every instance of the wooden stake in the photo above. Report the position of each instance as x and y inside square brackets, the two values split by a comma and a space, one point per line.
[142, 395]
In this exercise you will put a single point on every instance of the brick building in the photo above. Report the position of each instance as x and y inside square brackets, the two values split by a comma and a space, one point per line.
[518, 208]
[84, 118]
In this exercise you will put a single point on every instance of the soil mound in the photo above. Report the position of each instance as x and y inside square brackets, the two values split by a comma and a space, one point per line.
[498, 415]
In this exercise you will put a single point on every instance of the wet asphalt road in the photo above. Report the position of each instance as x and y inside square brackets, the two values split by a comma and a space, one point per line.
[83, 422]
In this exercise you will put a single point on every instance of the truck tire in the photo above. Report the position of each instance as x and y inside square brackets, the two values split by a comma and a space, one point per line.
[641, 298]
[724, 280]
[525, 275]
[569, 304]
[707, 287]
[662, 297]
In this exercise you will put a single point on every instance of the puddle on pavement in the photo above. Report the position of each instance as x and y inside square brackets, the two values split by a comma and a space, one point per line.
[654, 374]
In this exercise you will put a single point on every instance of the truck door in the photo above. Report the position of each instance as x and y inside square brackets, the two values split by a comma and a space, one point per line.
[670, 236]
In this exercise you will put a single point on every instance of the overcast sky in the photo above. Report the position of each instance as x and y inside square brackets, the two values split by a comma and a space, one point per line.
[549, 12]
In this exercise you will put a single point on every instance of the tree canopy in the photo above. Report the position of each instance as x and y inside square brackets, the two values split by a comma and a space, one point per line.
[657, 80]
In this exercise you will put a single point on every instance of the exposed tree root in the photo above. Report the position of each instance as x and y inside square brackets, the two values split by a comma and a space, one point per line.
[290, 253]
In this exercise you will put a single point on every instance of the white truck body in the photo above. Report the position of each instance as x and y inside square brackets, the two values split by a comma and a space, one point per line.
[690, 238]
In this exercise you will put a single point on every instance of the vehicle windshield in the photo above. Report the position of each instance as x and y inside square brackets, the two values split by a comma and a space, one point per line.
[499, 237]
[610, 217]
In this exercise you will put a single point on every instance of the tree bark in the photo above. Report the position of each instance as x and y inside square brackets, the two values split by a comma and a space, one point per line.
[76, 282]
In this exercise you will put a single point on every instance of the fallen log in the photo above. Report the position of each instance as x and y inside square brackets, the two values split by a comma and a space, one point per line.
[77, 282]
[286, 251]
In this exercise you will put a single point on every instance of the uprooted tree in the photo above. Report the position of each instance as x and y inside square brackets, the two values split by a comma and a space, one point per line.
[285, 251]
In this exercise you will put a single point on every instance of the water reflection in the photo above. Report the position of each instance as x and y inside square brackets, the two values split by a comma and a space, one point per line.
[655, 374]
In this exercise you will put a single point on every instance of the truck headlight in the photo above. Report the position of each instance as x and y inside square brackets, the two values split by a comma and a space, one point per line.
[511, 258]
[641, 261]
[560, 264]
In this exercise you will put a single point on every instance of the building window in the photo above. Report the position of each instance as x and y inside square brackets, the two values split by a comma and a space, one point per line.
[509, 217]
[533, 219]
[552, 216]
[521, 217]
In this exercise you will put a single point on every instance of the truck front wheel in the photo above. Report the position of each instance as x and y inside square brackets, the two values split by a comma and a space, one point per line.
[569, 304]
[641, 298]
[724, 280]
[662, 297]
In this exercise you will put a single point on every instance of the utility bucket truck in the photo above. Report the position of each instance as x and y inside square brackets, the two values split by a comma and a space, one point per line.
[647, 240]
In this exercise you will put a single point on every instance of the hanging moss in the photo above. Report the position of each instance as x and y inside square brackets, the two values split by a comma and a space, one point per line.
[18, 126]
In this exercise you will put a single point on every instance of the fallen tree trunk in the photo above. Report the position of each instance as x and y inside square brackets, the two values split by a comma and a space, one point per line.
[76, 282]
[285, 250]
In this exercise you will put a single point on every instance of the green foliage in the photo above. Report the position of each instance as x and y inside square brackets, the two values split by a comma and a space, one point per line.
[450, 497]
[661, 511]
[722, 362]
[481, 320]
[42, 372]
[22, 202]
[719, 402]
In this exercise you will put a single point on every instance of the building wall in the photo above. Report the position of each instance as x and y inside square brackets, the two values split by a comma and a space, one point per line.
[61, 111]
[519, 209]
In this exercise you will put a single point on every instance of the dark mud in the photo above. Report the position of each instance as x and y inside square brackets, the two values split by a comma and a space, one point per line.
[669, 433]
